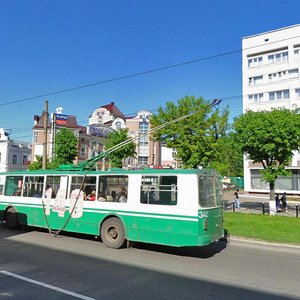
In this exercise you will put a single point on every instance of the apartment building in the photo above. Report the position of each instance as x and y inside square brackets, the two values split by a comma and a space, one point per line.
[14, 155]
[270, 66]
[148, 152]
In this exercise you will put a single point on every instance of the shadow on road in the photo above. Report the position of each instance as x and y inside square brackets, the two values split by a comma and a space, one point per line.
[199, 252]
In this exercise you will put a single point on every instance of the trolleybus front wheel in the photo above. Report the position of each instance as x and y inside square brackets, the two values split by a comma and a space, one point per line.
[11, 218]
[113, 233]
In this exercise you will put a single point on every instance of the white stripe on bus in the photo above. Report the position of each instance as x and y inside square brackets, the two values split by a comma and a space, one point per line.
[124, 213]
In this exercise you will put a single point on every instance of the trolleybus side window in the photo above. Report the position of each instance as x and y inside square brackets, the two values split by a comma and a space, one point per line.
[113, 188]
[54, 184]
[207, 191]
[33, 186]
[13, 186]
[159, 190]
[1, 189]
[89, 186]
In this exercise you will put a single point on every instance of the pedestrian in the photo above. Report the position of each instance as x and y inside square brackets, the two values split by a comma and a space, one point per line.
[283, 202]
[236, 199]
[277, 202]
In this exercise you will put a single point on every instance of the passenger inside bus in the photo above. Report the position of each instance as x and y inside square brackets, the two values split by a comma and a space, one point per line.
[102, 197]
[92, 196]
[122, 194]
[152, 197]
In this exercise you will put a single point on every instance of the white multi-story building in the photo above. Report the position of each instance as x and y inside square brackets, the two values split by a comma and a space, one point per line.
[271, 63]
[14, 155]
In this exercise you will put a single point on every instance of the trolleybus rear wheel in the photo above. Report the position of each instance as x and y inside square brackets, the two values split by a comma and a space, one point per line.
[11, 218]
[113, 233]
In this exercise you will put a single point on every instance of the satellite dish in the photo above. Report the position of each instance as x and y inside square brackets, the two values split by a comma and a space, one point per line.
[59, 110]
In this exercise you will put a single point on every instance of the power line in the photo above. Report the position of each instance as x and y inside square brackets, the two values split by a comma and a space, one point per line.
[139, 73]
[119, 78]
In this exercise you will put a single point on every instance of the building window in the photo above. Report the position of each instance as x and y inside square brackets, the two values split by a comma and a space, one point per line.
[256, 97]
[143, 160]
[83, 150]
[287, 74]
[24, 159]
[297, 53]
[174, 153]
[297, 92]
[143, 127]
[35, 137]
[118, 125]
[254, 62]
[255, 80]
[14, 159]
[278, 95]
[278, 57]
[143, 141]
[293, 73]
[143, 150]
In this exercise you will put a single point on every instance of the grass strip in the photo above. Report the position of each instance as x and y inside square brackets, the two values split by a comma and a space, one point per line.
[263, 227]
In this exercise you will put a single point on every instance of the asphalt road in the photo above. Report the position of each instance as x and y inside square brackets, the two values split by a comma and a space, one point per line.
[35, 265]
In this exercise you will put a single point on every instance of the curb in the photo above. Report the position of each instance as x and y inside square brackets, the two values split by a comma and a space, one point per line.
[245, 240]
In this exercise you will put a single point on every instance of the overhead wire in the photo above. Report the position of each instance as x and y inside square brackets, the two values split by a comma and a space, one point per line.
[139, 73]
[226, 98]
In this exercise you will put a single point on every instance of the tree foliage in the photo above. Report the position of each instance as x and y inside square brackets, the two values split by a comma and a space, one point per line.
[65, 147]
[37, 164]
[196, 138]
[269, 138]
[114, 138]
[229, 161]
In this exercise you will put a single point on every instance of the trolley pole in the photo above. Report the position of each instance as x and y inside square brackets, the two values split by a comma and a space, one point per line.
[45, 114]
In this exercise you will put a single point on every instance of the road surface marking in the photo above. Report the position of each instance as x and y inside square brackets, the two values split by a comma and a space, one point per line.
[48, 286]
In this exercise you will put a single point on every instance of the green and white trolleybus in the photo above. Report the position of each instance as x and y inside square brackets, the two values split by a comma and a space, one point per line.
[160, 206]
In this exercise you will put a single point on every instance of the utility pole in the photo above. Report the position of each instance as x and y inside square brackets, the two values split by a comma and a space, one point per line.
[45, 114]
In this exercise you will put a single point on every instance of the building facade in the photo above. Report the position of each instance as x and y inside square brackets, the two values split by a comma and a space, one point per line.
[14, 155]
[270, 66]
[91, 138]
[89, 144]
[147, 151]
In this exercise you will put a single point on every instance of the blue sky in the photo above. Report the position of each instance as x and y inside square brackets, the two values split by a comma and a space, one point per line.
[48, 46]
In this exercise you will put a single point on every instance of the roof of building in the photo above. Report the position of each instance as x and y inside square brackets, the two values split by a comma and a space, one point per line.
[114, 110]
[270, 31]
[82, 129]
[39, 122]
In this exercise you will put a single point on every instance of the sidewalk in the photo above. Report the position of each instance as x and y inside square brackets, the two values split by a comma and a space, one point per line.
[228, 196]
[257, 204]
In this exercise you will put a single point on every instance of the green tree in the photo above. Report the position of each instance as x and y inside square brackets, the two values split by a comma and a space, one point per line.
[65, 147]
[114, 138]
[38, 163]
[196, 138]
[269, 138]
[230, 159]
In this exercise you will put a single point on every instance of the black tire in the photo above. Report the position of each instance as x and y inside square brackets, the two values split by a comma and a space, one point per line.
[12, 219]
[113, 233]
